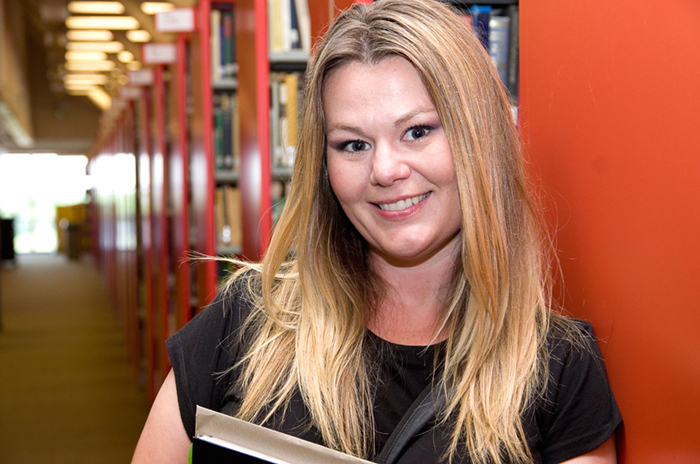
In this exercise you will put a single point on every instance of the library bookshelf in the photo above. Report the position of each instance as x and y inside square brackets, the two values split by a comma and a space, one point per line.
[157, 176]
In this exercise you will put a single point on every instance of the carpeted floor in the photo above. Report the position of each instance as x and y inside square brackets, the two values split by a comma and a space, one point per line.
[67, 392]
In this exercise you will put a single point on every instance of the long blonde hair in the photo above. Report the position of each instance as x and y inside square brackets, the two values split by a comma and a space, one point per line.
[315, 285]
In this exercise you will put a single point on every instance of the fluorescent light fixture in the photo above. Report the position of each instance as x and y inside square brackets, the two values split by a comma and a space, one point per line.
[134, 66]
[96, 7]
[82, 55]
[102, 22]
[100, 98]
[107, 47]
[125, 56]
[151, 8]
[97, 79]
[79, 86]
[138, 36]
[107, 65]
[90, 36]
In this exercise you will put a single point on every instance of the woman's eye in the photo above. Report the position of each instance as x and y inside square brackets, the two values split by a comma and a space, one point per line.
[354, 146]
[418, 132]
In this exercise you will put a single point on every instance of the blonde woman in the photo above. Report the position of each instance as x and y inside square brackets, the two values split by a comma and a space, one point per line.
[408, 269]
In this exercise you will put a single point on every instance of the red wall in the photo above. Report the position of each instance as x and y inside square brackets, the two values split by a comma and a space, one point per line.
[610, 109]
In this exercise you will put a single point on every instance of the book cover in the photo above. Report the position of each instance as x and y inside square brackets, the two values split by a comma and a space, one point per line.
[221, 438]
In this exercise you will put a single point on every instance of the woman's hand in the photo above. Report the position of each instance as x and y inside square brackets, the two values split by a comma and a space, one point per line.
[163, 439]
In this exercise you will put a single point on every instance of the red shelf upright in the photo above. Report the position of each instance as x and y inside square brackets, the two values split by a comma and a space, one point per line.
[160, 227]
[202, 159]
[179, 178]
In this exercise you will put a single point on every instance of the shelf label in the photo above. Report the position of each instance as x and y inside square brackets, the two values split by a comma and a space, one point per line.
[158, 53]
[129, 92]
[142, 77]
[176, 20]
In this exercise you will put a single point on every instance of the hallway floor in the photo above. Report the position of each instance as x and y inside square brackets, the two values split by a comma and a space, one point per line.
[67, 391]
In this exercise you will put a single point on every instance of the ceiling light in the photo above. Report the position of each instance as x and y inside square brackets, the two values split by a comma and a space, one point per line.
[125, 56]
[96, 7]
[138, 36]
[100, 98]
[102, 22]
[82, 55]
[134, 66]
[107, 47]
[79, 86]
[98, 79]
[90, 65]
[151, 8]
[90, 36]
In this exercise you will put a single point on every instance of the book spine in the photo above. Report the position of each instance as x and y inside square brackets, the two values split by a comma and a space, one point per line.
[215, 44]
[481, 15]
[514, 51]
[304, 20]
[291, 84]
[227, 33]
[499, 45]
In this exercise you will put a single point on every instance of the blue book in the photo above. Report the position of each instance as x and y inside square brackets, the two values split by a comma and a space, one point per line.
[481, 15]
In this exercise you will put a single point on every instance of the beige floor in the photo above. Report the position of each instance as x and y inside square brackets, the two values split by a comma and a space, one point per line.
[67, 392]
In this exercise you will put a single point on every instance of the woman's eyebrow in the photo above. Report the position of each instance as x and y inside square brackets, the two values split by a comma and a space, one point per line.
[413, 113]
[399, 122]
[344, 127]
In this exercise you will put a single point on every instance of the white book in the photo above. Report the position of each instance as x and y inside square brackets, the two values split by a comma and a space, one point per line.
[225, 436]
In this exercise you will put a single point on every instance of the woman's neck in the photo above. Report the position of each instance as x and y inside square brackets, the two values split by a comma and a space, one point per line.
[410, 311]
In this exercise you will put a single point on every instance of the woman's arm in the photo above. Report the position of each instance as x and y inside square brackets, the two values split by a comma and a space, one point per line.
[604, 454]
[163, 439]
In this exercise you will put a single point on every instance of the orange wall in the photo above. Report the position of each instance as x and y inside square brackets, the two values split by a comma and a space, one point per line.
[610, 108]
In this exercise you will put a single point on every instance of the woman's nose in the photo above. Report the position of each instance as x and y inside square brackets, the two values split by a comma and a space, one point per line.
[388, 166]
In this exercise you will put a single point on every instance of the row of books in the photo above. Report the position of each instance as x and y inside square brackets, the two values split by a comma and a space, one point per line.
[228, 217]
[284, 108]
[497, 29]
[289, 25]
[226, 131]
[223, 47]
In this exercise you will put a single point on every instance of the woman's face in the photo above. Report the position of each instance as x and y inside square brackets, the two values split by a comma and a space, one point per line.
[389, 161]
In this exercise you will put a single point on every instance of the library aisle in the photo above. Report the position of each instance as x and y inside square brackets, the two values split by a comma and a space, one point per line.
[67, 392]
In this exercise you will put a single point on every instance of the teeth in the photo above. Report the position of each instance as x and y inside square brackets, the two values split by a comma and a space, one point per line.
[403, 204]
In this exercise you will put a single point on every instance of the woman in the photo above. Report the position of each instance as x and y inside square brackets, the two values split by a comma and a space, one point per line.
[408, 259]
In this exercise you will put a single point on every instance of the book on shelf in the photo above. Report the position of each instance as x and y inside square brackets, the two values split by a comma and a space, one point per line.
[284, 116]
[222, 44]
[278, 195]
[227, 205]
[497, 29]
[226, 131]
[221, 438]
[289, 25]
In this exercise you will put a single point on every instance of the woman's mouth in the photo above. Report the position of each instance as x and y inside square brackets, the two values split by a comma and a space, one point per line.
[403, 204]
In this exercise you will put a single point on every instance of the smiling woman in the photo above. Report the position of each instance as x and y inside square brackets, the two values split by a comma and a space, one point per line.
[407, 272]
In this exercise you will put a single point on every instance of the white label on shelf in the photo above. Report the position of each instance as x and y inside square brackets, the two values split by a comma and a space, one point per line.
[158, 53]
[141, 77]
[129, 92]
[176, 20]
